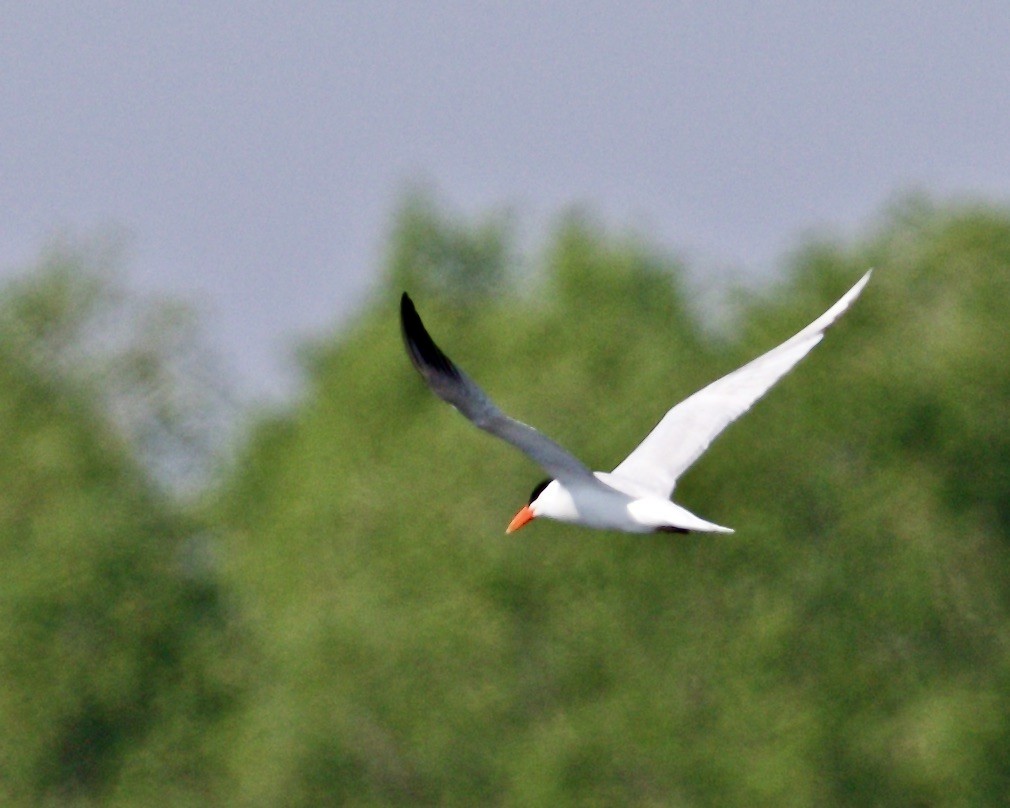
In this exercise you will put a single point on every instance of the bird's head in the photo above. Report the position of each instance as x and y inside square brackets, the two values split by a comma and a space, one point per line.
[539, 499]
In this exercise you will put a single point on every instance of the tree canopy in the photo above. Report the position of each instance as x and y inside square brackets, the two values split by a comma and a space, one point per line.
[365, 633]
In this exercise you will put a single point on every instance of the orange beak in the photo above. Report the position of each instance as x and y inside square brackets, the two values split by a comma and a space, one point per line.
[520, 519]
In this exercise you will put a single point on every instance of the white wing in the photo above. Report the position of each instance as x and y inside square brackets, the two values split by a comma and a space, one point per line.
[687, 430]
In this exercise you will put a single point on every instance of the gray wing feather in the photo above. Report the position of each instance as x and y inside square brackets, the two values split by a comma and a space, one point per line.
[453, 386]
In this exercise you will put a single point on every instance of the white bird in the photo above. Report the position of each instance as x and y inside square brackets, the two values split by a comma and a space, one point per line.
[635, 496]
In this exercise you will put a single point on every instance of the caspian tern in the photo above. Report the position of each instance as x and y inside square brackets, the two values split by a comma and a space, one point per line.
[635, 496]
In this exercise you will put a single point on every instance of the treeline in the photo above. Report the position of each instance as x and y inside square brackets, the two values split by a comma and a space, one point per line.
[337, 618]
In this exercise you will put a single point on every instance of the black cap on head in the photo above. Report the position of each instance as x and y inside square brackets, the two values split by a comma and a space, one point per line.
[539, 487]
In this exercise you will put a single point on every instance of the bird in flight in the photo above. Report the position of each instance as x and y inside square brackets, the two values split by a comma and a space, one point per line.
[635, 496]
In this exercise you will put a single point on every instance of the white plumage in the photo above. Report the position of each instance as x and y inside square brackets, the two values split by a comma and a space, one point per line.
[635, 496]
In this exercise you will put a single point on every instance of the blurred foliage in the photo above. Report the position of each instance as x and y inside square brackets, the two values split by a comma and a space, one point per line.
[116, 657]
[849, 645]
[454, 259]
[140, 362]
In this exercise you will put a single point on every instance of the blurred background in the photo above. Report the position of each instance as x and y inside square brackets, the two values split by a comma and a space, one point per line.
[249, 559]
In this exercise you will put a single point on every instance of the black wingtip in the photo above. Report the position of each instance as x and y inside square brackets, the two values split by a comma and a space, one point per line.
[423, 351]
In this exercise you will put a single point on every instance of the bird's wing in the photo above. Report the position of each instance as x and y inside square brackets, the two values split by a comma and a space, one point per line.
[687, 430]
[452, 385]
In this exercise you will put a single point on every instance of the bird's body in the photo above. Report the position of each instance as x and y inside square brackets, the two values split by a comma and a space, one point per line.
[635, 496]
[611, 503]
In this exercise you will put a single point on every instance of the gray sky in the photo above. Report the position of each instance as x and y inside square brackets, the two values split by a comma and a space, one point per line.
[254, 151]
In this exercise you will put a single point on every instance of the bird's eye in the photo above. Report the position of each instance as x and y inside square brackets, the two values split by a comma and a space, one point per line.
[540, 487]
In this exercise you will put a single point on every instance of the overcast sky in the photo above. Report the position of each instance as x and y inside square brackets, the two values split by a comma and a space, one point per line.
[255, 151]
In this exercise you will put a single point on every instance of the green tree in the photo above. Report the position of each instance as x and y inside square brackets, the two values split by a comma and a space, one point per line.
[447, 256]
[848, 646]
[115, 665]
